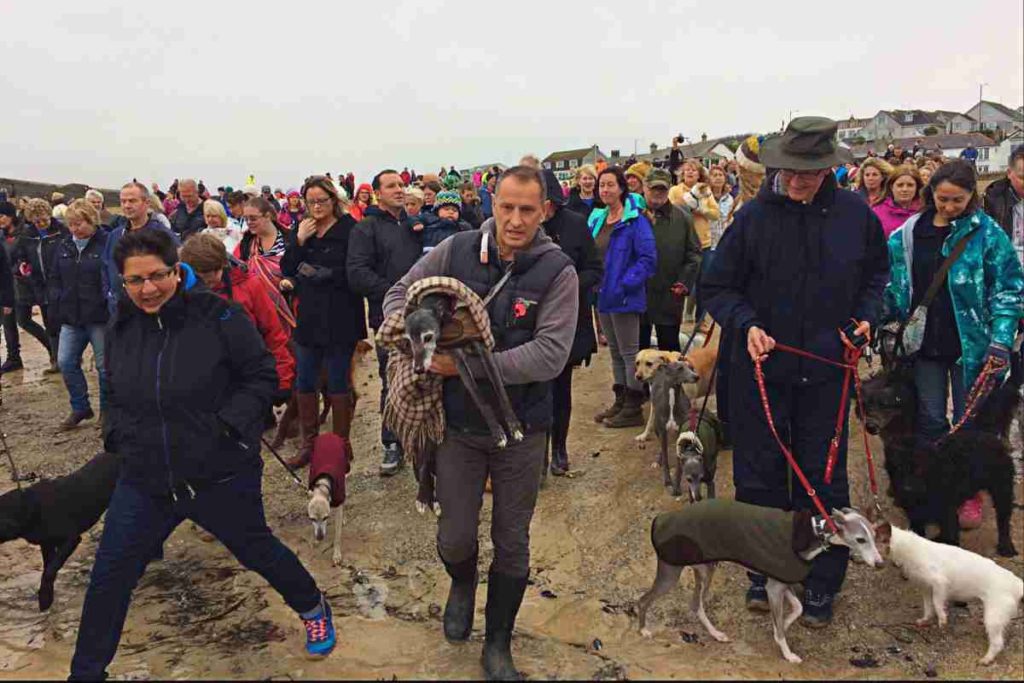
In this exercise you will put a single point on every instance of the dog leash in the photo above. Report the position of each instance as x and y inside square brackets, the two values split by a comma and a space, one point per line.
[289, 470]
[983, 386]
[851, 357]
[15, 477]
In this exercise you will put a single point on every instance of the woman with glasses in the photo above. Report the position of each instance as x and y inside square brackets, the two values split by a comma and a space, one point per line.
[190, 383]
[330, 318]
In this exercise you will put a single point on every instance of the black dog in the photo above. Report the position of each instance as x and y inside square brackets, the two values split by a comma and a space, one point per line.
[931, 482]
[54, 513]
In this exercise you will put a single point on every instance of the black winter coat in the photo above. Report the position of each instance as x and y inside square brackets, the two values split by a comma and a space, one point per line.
[1000, 198]
[8, 296]
[382, 250]
[329, 312]
[38, 253]
[78, 282]
[800, 272]
[471, 214]
[575, 203]
[679, 257]
[186, 224]
[569, 231]
[189, 392]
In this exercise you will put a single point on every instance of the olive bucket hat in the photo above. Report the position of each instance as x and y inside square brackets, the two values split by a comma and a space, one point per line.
[808, 144]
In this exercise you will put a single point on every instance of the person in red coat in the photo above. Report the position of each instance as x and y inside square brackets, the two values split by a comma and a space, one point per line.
[209, 259]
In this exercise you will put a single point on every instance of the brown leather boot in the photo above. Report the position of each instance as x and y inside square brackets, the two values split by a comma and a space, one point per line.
[341, 414]
[287, 428]
[309, 424]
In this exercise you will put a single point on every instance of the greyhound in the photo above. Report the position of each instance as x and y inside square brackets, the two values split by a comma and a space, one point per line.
[329, 466]
[423, 328]
[773, 542]
[670, 408]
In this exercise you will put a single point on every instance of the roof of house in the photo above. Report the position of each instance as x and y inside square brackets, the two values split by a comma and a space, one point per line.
[568, 154]
[918, 117]
[853, 122]
[1002, 109]
[930, 142]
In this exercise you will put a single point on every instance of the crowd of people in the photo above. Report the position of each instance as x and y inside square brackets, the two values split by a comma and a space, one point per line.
[771, 246]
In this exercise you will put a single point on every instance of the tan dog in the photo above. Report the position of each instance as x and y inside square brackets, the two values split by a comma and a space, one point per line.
[702, 358]
[647, 363]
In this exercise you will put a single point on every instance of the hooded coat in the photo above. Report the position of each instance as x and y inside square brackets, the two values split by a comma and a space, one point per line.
[986, 285]
[893, 215]
[382, 249]
[631, 259]
[800, 272]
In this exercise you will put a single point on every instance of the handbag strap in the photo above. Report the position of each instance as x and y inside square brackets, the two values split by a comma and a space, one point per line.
[939, 279]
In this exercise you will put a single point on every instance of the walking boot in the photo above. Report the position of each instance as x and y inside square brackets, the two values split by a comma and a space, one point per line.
[461, 604]
[559, 461]
[54, 369]
[632, 414]
[11, 364]
[72, 420]
[287, 428]
[613, 410]
[504, 596]
[341, 413]
[309, 424]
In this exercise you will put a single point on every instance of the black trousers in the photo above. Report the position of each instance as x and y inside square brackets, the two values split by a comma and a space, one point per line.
[805, 416]
[561, 390]
[22, 317]
[668, 336]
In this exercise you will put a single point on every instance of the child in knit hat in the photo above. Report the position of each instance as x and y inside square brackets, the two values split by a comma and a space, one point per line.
[446, 220]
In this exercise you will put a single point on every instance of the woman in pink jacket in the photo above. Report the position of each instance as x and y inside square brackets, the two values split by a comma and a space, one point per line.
[902, 198]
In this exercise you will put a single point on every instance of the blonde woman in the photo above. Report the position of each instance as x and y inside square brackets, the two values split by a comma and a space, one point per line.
[156, 211]
[227, 230]
[30, 259]
[872, 178]
[583, 196]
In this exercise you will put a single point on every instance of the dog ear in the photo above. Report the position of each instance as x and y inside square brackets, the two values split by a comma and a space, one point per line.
[883, 532]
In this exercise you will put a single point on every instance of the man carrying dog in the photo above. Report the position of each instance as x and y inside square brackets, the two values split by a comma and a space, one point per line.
[533, 317]
[800, 262]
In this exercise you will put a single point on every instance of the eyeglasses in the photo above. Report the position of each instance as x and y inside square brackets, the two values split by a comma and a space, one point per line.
[318, 202]
[805, 174]
[157, 278]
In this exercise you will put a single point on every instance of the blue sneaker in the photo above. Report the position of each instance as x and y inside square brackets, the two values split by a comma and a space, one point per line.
[320, 636]
[817, 609]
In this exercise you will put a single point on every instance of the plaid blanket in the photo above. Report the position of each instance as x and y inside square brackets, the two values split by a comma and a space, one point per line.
[414, 409]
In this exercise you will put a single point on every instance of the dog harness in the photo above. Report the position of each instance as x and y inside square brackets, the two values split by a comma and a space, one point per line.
[764, 540]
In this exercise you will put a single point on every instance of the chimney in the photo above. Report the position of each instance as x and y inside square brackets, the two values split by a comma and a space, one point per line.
[703, 137]
[654, 147]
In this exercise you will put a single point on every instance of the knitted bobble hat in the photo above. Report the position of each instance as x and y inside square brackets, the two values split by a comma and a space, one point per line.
[448, 198]
[748, 155]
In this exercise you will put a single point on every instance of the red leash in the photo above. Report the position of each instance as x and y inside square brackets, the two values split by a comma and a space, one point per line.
[982, 387]
[851, 358]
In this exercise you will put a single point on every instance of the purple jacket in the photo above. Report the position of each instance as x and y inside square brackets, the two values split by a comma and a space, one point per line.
[630, 261]
[893, 215]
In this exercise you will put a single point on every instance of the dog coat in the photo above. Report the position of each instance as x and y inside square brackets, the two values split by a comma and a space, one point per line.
[332, 456]
[764, 540]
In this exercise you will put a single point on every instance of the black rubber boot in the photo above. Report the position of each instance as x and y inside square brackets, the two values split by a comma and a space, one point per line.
[559, 461]
[504, 596]
[613, 410]
[459, 610]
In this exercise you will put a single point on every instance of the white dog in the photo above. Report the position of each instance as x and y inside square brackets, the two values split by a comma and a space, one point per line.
[947, 572]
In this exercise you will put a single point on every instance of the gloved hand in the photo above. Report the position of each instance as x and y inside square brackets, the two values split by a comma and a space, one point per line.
[999, 352]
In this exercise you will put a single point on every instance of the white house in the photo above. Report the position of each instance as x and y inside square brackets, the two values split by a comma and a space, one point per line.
[1001, 155]
[912, 123]
[994, 116]
[565, 163]
[851, 128]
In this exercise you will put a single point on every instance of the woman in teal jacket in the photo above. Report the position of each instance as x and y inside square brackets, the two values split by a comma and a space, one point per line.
[975, 314]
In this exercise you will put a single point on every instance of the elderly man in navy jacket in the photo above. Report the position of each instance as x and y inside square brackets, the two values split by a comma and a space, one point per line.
[800, 262]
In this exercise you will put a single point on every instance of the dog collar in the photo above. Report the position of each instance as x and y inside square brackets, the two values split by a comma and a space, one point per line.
[821, 531]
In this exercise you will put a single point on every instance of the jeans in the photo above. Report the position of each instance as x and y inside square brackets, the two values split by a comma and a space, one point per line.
[309, 360]
[463, 464]
[668, 336]
[73, 341]
[387, 437]
[138, 523]
[932, 379]
[622, 330]
[805, 416]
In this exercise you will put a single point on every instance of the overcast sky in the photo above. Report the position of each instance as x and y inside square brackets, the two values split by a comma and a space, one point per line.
[99, 92]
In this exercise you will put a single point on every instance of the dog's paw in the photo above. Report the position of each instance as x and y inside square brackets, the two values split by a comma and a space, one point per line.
[501, 441]
[421, 507]
[437, 509]
[722, 638]
[923, 622]
[646, 632]
[986, 660]
[655, 465]
[792, 658]
[517, 435]
[336, 557]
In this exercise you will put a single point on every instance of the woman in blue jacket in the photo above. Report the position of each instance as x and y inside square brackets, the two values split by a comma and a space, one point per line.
[974, 316]
[626, 243]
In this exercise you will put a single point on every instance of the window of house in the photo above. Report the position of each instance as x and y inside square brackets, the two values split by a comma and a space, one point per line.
[983, 153]
[547, 165]
[560, 164]
[908, 118]
[573, 163]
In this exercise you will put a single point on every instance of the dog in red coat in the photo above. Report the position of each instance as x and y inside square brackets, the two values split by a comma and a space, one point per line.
[330, 464]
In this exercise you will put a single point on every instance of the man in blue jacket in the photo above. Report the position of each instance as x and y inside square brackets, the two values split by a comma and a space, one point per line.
[801, 261]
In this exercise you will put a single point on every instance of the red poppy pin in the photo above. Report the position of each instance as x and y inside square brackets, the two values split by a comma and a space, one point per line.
[520, 308]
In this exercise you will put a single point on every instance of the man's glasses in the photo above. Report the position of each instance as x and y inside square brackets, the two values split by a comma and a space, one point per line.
[159, 277]
[816, 173]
